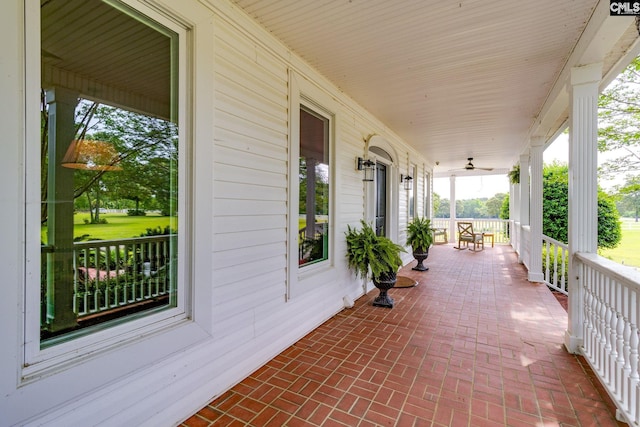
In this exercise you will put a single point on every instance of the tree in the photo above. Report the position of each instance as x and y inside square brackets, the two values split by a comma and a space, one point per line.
[609, 230]
[470, 208]
[437, 201]
[443, 209]
[494, 205]
[504, 209]
[555, 207]
[619, 117]
[630, 197]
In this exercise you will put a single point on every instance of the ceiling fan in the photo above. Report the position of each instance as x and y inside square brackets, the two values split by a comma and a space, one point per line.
[470, 166]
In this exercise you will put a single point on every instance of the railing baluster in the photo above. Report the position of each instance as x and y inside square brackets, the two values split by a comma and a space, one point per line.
[85, 297]
[633, 355]
[117, 278]
[611, 351]
[619, 360]
[155, 263]
[107, 278]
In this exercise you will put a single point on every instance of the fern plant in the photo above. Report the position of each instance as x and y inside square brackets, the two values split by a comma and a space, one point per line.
[371, 254]
[419, 234]
[514, 175]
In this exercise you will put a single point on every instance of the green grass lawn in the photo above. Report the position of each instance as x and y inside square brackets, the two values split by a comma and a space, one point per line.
[628, 251]
[119, 226]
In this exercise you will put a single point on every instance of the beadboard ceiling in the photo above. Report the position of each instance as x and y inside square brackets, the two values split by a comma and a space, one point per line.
[455, 79]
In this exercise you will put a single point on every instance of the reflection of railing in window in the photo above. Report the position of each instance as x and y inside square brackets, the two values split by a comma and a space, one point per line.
[113, 278]
[312, 243]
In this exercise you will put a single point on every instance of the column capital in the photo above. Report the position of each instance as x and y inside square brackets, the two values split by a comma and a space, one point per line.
[61, 94]
[536, 141]
[590, 73]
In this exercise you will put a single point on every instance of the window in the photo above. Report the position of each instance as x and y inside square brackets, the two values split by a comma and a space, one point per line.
[413, 192]
[313, 201]
[110, 185]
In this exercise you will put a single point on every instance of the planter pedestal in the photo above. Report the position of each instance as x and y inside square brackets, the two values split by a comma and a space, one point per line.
[383, 299]
[420, 256]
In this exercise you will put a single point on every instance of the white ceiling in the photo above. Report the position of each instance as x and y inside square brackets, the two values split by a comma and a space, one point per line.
[455, 79]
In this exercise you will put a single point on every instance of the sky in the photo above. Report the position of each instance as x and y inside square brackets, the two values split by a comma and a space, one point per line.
[487, 186]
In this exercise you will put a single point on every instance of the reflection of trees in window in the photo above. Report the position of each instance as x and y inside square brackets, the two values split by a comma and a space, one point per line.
[321, 188]
[146, 156]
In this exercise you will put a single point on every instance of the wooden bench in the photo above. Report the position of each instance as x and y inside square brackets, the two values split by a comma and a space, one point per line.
[440, 232]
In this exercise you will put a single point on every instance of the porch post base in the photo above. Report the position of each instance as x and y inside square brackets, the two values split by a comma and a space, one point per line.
[535, 277]
[572, 343]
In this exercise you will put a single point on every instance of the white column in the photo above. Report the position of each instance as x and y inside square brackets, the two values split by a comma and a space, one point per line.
[452, 208]
[583, 186]
[524, 203]
[512, 212]
[62, 104]
[515, 203]
[535, 217]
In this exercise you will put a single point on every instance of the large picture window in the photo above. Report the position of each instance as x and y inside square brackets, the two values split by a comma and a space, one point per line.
[313, 174]
[109, 168]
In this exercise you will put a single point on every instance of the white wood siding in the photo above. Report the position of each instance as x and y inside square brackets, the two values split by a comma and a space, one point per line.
[241, 316]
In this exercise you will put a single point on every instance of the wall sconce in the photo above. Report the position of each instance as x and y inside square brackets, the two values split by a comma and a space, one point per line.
[368, 167]
[91, 155]
[407, 182]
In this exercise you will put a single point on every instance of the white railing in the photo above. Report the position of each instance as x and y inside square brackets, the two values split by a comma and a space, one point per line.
[555, 264]
[611, 310]
[111, 274]
[499, 227]
[118, 274]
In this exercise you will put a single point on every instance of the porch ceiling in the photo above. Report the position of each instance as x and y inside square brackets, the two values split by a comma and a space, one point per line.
[470, 78]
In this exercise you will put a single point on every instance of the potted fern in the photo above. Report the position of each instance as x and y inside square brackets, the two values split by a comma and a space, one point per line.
[420, 237]
[376, 257]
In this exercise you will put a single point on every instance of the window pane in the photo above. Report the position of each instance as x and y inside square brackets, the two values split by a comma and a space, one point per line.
[313, 214]
[108, 166]
[412, 193]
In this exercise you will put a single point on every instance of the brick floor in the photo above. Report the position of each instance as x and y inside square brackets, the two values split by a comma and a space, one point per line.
[473, 344]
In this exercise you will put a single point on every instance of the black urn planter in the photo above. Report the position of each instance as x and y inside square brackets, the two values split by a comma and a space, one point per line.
[384, 283]
[420, 255]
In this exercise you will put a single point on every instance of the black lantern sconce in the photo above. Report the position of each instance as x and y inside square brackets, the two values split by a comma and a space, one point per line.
[407, 182]
[368, 167]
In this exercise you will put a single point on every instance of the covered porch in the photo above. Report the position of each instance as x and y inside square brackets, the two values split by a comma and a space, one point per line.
[474, 343]
[417, 88]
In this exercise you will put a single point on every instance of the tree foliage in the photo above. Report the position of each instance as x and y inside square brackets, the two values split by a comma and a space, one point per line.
[555, 205]
[437, 202]
[470, 208]
[504, 209]
[629, 198]
[619, 127]
[147, 150]
[493, 207]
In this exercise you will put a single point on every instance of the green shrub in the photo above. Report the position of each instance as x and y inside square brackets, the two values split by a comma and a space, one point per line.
[136, 212]
[552, 264]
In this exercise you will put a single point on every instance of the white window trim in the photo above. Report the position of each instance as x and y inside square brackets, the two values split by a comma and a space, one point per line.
[304, 93]
[176, 324]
